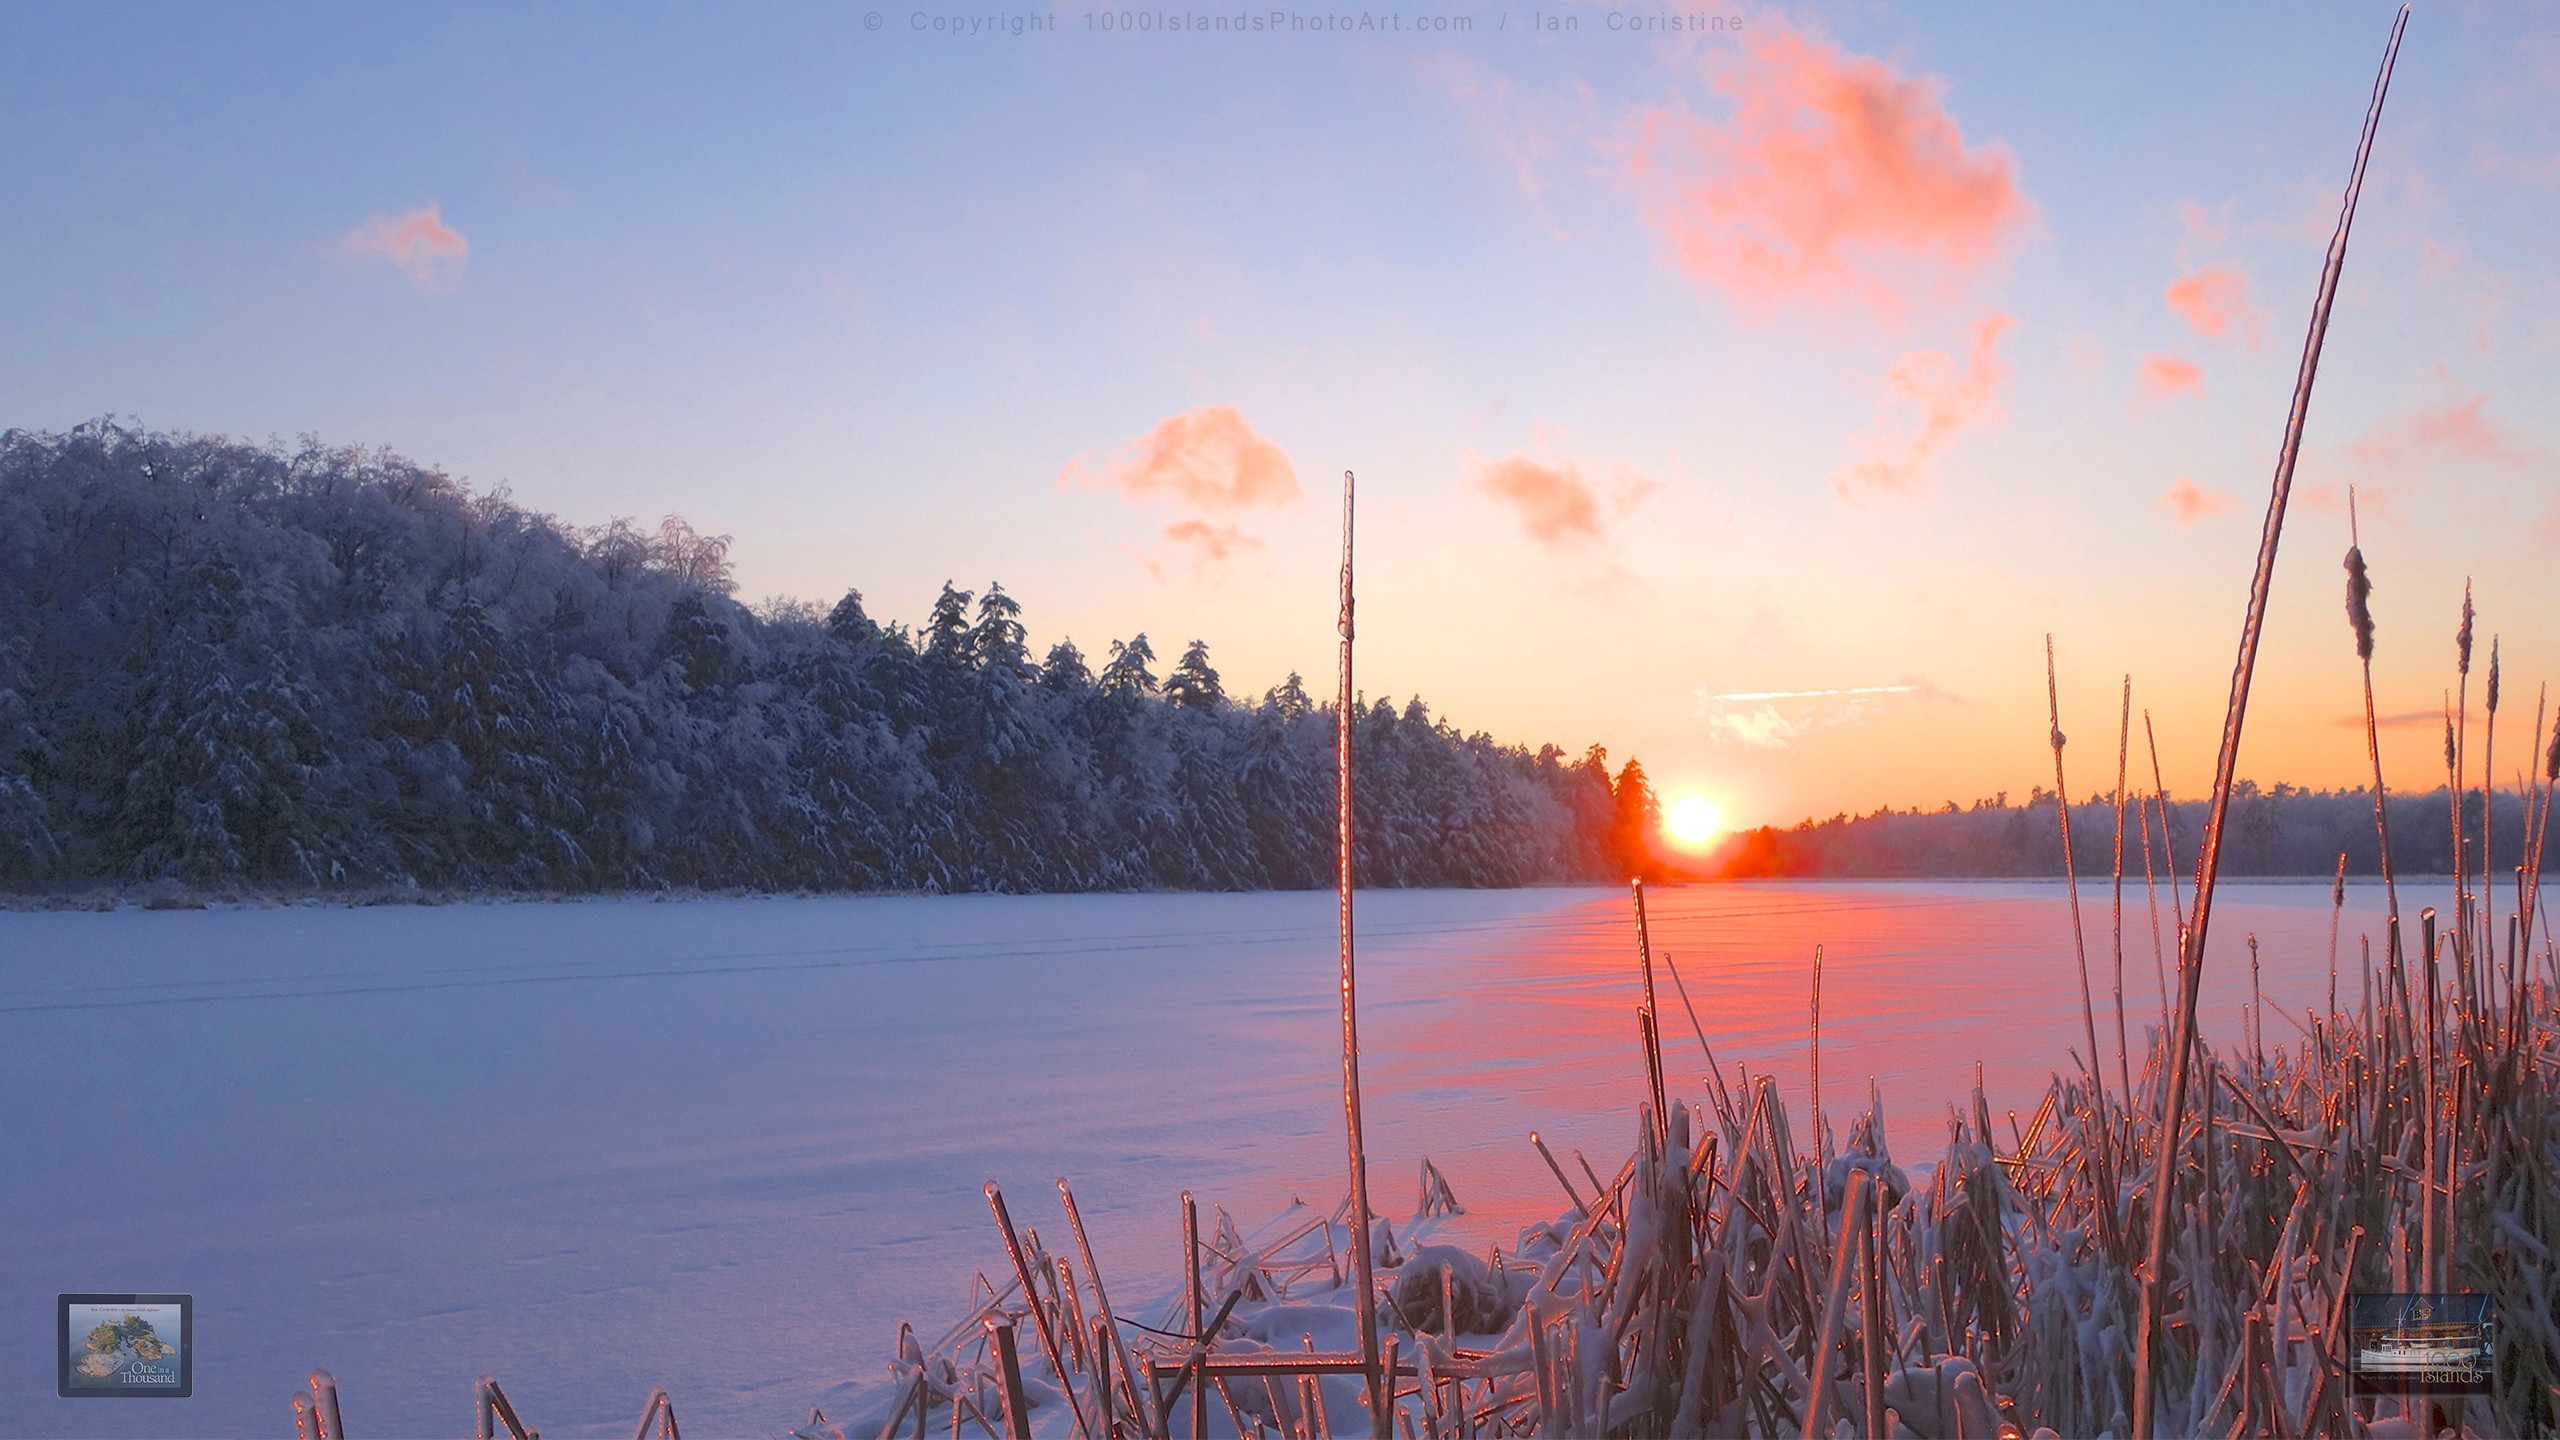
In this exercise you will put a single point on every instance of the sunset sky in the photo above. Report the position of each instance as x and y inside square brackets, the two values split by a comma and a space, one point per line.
[1751, 402]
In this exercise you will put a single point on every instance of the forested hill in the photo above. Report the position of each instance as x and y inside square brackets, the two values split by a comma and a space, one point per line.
[2273, 832]
[257, 667]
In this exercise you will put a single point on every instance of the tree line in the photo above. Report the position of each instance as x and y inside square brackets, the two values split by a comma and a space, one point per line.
[262, 667]
[2278, 831]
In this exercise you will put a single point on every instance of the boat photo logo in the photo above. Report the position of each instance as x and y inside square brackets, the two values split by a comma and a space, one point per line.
[2430, 1343]
[126, 1345]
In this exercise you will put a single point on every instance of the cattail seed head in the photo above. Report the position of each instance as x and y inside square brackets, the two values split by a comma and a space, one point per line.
[2057, 737]
[2359, 606]
[2462, 637]
[2448, 744]
[2551, 766]
[2493, 674]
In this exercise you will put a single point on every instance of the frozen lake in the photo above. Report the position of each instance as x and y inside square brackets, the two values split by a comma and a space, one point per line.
[726, 1145]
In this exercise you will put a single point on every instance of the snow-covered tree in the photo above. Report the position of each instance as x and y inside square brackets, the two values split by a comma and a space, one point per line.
[308, 666]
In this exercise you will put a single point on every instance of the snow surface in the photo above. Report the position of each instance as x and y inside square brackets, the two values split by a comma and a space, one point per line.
[725, 1145]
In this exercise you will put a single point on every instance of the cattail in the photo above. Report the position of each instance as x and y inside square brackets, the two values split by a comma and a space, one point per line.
[2462, 637]
[2448, 735]
[2359, 598]
[2551, 766]
[2493, 674]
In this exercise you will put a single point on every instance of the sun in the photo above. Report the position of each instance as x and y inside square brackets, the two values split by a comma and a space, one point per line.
[1692, 821]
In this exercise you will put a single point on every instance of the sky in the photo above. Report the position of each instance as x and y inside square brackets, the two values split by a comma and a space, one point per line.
[1752, 398]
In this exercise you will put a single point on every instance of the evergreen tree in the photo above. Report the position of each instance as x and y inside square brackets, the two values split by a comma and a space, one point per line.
[1636, 829]
[1127, 676]
[1289, 699]
[996, 642]
[946, 633]
[848, 624]
[1193, 685]
[1065, 668]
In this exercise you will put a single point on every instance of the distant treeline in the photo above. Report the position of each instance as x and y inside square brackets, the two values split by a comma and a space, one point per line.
[256, 667]
[2275, 832]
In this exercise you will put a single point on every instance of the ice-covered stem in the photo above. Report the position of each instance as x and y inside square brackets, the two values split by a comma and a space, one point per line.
[2488, 808]
[1813, 1048]
[1361, 1261]
[2168, 838]
[2457, 757]
[2360, 617]
[2124, 750]
[2164, 1208]
[2151, 903]
[1652, 1026]
[2071, 876]
[1049, 1345]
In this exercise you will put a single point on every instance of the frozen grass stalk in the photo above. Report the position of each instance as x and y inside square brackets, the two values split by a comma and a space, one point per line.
[2164, 1207]
[2071, 874]
[1361, 1264]
[2124, 747]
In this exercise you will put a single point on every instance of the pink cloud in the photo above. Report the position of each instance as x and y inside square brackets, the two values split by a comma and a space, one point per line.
[2373, 502]
[1210, 545]
[1950, 402]
[425, 248]
[2187, 502]
[1553, 502]
[2213, 300]
[2454, 427]
[1556, 503]
[1208, 459]
[1833, 178]
[1204, 462]
[2168, 375]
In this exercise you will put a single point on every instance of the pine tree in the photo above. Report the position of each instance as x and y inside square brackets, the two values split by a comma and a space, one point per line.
[1065, 668]
[946, 633]
[996, 641]
[1636, 829]
[1193, 685]
[1289, 698]
[848, 624]
[1127, 676]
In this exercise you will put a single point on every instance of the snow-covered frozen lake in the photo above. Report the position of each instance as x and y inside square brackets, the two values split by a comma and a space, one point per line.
[726, 1145]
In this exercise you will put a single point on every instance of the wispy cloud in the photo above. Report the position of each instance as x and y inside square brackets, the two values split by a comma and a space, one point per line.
[2165, 375]
[1777, 719]
[1202, 462]
[2187, 502]
[425, 249]
[1831, 178]
[1950, 400]
[1210, 545]
[2405, 720]
[2459, 426]
[2214, 301]
[1528, 143]
[1556, 503]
